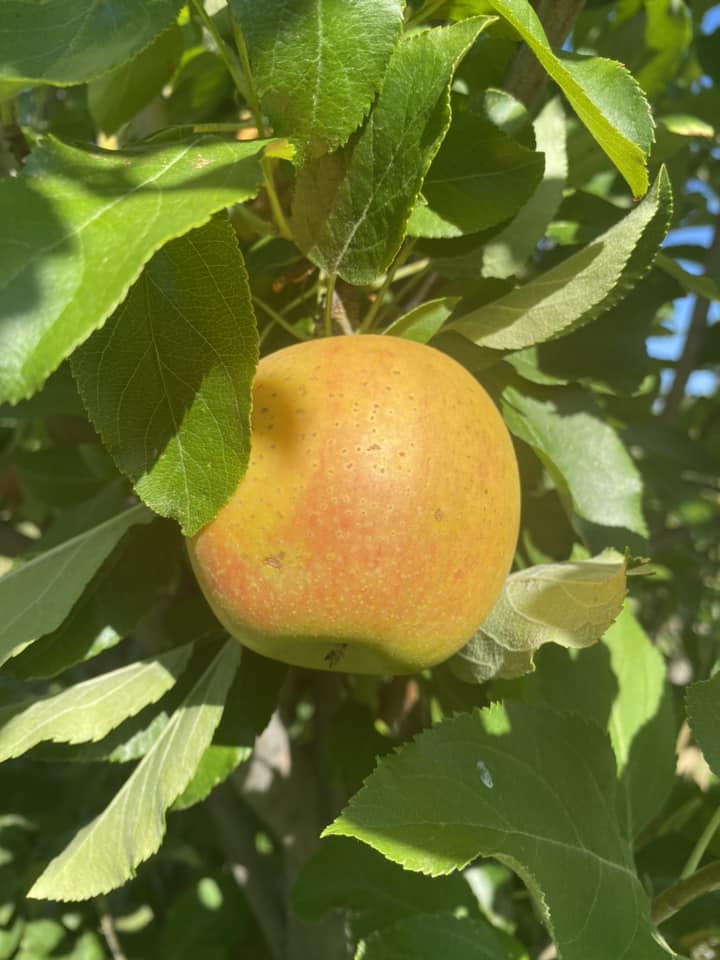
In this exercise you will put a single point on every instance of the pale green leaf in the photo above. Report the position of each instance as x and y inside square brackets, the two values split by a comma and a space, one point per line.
[604, 95]
[318, 65]
[571, 604]
[422, 323]
[429, 936]
[91, 709]
[505, 254]
[167, 380]
[69, 41]
[106, 852]
[351, 207]
[116, 97]
[581, 287]
[534, 790]
[703, 710]
[216, 765]
[700, 284]
[37, 595]
[583, 452]
[480, 177]
[77, 227]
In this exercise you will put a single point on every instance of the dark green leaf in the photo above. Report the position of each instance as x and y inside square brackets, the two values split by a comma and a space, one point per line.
[531, 789]
[70, 41]
[77, 227]
[167, 379]
[318, 65]
[480, 177]
[116, 97]
[703, 709]
[431, 936]
[351, 207]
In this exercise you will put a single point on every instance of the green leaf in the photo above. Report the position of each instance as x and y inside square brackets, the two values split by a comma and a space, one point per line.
[345, 874]
[422, 323]
[583, 453]
[703, 710]
[167, 380]
[69, 41]
[216, 765]
[91, 709]
[139, 574]
[620, 685]
[533, 790]
[37, 595]
[78, 226]
[580, 288]
[351, 207]
[116, 97]
[480, 177]
[604, 95]
[435, 935]
[668, 34]
[105, 853]
[700, 284]
[505, 254]
[571, 604]
[317, 66]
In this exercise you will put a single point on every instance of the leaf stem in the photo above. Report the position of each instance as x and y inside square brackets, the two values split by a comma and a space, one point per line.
[253, 101]
[223, 50]
[253, 220]
[328, 315]
[701, 846]
[672, 900]
[107, 927]
[368, 320]
[278, 215]
[278, 318]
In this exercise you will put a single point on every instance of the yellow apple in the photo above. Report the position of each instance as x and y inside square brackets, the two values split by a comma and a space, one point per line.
[378, 517]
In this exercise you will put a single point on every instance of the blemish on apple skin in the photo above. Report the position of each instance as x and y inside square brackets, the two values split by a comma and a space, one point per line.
[485, 775]
[274, 561]
[438, 514]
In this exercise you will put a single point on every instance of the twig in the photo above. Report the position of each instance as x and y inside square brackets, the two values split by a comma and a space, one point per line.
[328, 313]
[107, 928]
[371, 315]
[278, 318]
[672, 900]
[701, 846]
[526, 77]
[695, 336]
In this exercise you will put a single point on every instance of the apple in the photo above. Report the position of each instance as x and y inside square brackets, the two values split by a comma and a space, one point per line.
[378, 517]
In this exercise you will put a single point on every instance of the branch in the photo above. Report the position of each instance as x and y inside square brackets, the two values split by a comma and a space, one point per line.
[670, 901]
[526, 78]
[695, 336]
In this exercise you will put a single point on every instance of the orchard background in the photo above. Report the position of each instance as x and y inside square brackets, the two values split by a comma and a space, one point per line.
[186, 187]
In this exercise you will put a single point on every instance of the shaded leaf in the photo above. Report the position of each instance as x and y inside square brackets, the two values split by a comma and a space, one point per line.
[317, 66]
[580, 288]
[167, 380]
[703, 710]
[37, 595]
[583, 453]
[538, 793]
[105, 853]
[351, 207]
[504, 255]
[431, 936]
[571, 604]
[604, 95]
[116, 97]
[422, 323]
[345, 874]
[480, 177]
[69, 41]
[89, 710]
[78, 226]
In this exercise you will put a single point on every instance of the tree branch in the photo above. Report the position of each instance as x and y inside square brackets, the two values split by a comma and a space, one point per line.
[695, 336]
[526, 78]
[670, 901]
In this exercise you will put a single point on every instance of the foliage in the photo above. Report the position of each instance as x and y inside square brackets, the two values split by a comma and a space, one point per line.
[185, 188]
